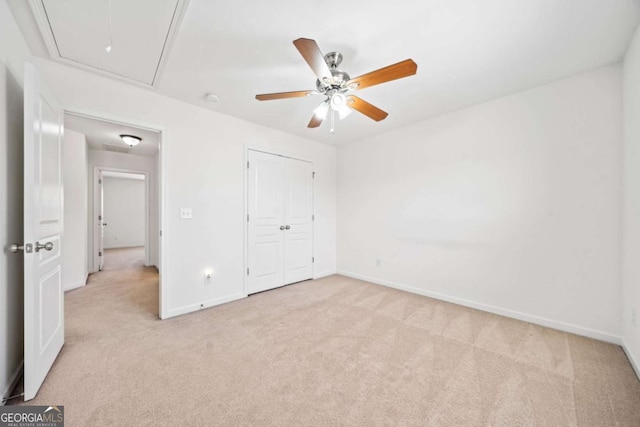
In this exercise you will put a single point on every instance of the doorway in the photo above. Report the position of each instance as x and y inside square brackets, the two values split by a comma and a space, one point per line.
[123, 215]
[121, 219]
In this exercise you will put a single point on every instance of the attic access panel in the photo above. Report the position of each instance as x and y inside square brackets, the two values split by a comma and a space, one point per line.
[140, 33]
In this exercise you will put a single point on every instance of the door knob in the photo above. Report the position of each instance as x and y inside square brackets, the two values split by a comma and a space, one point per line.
[47, 246]
[282, 227]
[27, 248]
[287, 227]
[15, 248]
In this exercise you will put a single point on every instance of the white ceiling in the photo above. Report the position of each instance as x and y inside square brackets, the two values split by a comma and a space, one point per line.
[105, 136]
[467, 51]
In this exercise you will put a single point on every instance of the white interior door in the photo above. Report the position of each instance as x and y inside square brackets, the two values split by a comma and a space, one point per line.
[265, 221]
[298, 221]
[43, 215]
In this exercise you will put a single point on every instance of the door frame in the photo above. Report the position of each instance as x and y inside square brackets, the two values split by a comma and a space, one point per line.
[163, 138]
[96, 208]
[247, 148]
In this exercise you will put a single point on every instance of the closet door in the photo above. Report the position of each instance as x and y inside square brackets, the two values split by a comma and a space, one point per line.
[298, 212]
[266, 212]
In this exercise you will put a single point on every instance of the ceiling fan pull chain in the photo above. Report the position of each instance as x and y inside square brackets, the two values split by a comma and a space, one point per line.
[108, 48]
[333, 115]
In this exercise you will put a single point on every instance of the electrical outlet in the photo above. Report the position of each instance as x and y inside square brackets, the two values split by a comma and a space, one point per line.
[185, 213]
[208, 277]
[634, 317]
[378, 262]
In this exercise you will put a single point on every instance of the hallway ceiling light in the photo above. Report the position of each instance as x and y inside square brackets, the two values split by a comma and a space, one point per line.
[131, 140]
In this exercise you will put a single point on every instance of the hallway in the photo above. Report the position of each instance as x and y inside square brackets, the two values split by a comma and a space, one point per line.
[123, 293]
[123, 258]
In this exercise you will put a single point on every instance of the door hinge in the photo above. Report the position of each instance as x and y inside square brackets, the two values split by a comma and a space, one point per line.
[313, 259]
[247, 271]
[313, 217]
[100, 253]
[247, 217]
[313, 175]
[247, 165]
[99, 181]
[160, 233]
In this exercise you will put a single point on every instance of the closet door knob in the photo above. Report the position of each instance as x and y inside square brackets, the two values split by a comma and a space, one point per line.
[287, 227]
[282, 227]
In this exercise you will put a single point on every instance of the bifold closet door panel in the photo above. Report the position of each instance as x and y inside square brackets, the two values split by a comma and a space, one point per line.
[298, 220]
[266, 205]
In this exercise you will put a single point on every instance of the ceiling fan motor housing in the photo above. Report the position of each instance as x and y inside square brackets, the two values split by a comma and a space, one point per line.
[339, 77]
[338, 81]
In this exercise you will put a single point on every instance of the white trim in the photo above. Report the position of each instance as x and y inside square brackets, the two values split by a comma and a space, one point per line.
[323, 274]
[13, 382]
[172, 35]
[42, 22]
[77, 285]
[128, 246]
[247, 148]
[186, 309]
[107, 118]
[147, 212]
[245, 227]
[634, 364]
[161, 188]
[561, 326]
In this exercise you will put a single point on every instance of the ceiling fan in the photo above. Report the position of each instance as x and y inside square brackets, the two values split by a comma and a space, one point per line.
[338, 86]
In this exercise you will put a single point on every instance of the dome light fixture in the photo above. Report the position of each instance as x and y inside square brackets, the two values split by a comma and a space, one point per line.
[131, 140]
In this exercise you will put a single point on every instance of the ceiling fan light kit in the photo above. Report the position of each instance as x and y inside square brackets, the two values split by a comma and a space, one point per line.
[338, 86]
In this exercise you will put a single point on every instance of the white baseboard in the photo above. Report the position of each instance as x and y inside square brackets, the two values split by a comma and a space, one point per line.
[324, 274]
[565, 327]
[634, 363]
[13, 382]
[200, 306]
[135, 245]
[76, 285]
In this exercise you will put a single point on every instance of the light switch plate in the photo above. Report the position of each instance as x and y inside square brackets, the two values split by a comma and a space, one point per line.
[185, 213]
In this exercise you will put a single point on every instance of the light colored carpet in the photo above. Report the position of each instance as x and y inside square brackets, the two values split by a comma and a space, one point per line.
[335, 351]
[123, 258]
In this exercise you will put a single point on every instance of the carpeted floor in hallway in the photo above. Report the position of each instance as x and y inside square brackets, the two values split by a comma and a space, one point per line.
[335, 351]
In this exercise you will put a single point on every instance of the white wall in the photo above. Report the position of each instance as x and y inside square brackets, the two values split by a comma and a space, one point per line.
[11, 229]
[631, 227]
[12, 48]
[204, 169]
[512, 205]
[129, 162]
[74, 238]
[124, 212]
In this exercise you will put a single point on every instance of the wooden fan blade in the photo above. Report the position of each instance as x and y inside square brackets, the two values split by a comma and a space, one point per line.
[311, 53]
[365, 108]
[402, 69]
[319, 114]
[315, 121]
[283, 95]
